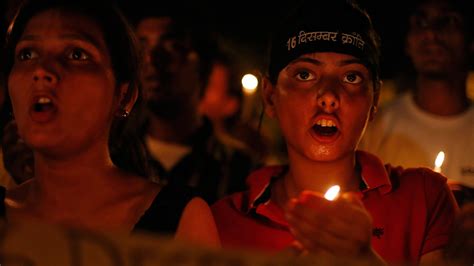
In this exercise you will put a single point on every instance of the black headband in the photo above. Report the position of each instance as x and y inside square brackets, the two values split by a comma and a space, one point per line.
[316, 26]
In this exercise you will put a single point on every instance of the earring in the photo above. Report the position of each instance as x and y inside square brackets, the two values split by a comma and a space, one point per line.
[122, 113]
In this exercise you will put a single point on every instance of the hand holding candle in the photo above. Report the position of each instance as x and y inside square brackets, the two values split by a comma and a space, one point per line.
[341, 226]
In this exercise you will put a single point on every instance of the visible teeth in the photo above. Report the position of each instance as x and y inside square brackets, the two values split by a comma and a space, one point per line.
[44, 100]
[325, 123]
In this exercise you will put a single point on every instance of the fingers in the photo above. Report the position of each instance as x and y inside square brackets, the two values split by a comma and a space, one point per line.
[342, 226]
[313, 206]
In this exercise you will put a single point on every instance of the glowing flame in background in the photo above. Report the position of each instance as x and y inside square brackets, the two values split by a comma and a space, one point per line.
[249, 83]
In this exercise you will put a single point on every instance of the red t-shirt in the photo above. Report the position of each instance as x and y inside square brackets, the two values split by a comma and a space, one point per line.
[413, 211]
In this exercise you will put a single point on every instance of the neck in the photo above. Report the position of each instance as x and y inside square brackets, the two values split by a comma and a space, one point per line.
[175, 130]
[442, 96]
[61, 179]
[305, 174]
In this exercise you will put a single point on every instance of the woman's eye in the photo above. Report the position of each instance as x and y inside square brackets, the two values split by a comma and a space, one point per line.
[304, 75]
[27, 54]
[352, 78]
[78, 54]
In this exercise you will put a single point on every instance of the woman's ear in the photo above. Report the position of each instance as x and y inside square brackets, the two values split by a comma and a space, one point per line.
[268, 92]
[128, 97]
[375, 102]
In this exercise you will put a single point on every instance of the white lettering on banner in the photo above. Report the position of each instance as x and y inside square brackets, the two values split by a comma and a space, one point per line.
[354, 39]
[304, 37]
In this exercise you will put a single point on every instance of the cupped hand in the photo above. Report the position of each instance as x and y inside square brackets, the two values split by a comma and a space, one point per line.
[340, 227]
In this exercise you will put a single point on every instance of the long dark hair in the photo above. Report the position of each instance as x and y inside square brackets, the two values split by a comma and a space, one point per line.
[126, 149]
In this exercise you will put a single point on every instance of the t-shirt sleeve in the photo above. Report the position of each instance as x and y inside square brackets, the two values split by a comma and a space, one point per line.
[442, 210]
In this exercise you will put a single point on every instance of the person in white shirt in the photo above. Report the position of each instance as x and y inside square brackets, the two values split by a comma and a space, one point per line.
[436, 115]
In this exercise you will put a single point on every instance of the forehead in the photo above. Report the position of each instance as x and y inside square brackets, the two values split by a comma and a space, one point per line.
[55, 23]
[435, 8]
[324, 58]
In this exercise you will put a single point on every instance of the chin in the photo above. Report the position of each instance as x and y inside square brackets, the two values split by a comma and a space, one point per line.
[322, 154]
[329, 154]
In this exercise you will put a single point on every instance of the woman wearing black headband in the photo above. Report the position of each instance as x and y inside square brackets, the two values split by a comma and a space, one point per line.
[322, 87]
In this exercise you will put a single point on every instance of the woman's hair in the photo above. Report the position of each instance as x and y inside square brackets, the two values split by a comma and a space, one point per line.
[126, 149]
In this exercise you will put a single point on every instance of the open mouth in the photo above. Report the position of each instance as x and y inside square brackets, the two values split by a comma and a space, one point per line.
[325, 128]
[43, 104]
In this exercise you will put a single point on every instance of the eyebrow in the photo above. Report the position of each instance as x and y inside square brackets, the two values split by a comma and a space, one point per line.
[319, 63]
[73, 36]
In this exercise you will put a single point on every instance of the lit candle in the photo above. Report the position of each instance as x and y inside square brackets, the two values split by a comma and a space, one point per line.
[439, 162]
[332, 193]
[249, 84]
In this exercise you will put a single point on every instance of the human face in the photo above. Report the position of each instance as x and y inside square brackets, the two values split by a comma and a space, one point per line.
[322, 102]
[62, 85]
[436, 40]
[149, 32]
[217, 104]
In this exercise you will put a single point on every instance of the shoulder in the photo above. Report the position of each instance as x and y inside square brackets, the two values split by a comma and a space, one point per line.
[167, 204]
[240, 202]
[197, 224]
[235, 202]
[417, 174]
[195, 209]
[424, 182]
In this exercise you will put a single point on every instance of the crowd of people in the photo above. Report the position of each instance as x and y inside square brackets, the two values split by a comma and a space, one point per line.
[115, 122]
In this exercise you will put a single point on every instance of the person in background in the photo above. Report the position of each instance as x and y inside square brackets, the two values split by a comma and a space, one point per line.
[222, 104]
[435, 114]
[182, 145]
[322, 87]
[72, 72]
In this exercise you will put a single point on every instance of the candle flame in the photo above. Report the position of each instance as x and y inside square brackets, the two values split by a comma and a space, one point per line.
[249, 83]
[332, 193]
[439, 159]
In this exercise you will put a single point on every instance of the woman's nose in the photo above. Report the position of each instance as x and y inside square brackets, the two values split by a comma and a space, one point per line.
[45, 72]
[328, 100]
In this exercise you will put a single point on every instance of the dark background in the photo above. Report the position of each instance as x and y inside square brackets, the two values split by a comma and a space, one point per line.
[242, 27]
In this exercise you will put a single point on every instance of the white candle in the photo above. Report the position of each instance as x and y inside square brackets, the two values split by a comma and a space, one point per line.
[332, 193]
[439, 162]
